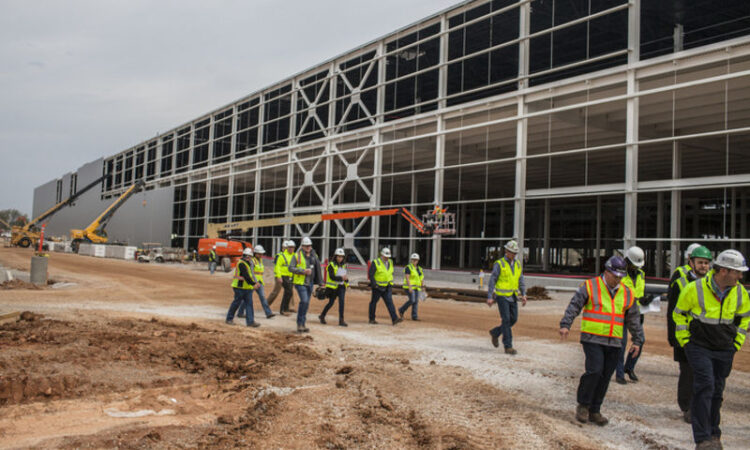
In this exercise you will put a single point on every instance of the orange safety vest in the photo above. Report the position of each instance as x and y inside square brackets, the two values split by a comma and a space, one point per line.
[604, 315]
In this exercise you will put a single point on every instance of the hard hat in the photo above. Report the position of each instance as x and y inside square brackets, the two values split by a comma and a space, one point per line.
[731, 259]
[339, 252]
[635, 256]
[415, 256]
[259, 249]
[617, 266]
[690, 249]
[306, 241]
[386, 252]
[214, 247]
[511, 246]
[701, 252]
[247, 252]
[291, 243]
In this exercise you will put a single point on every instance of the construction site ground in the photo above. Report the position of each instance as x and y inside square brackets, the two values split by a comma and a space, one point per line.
[138, 356]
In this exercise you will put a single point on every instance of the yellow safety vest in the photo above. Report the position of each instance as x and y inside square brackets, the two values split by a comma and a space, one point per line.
[416, 275]
[682, 280]
[301, 264]
[383, 274]
[698, 302]
[333, 284]
[282, 264]
[238, 281]
[604, 315]
[212, 256]
[507, 282]
[258, 268]
[639, 286]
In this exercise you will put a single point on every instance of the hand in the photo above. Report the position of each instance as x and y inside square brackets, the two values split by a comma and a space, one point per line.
[256, 286]
[279, 280]
[490, 301]
[523, 300]
[345, 278]
[634, 350]
[308, 271]
[564, 333]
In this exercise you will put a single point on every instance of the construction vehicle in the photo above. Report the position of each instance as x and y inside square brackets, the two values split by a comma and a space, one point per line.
[95, 233]
[432, 223]
[5, 224]
[26, 235]
[228, 251]
[155, 251]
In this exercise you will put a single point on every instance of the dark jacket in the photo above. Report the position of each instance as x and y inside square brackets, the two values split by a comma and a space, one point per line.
[248, 277]
[672, 295]
[311, 262]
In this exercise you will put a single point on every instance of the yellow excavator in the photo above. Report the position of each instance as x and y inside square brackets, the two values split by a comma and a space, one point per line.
[95, 233]
[26, 235]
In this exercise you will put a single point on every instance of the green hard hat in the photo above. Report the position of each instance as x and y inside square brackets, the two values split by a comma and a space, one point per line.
[701, 252]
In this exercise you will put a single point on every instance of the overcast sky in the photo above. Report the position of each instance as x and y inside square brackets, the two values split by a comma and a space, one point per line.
[84, 79]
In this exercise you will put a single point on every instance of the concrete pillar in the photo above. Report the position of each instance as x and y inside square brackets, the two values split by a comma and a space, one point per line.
[38, 273]
[545, 251]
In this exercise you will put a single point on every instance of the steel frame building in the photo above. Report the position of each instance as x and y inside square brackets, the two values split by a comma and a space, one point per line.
[576, 126]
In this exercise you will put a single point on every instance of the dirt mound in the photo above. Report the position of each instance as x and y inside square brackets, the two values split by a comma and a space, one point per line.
[538, 293]
[18, 284]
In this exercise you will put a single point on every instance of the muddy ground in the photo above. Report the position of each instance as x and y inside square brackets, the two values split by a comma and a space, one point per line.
[137, 356]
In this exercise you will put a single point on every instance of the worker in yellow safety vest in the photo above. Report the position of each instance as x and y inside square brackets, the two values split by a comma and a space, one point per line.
[413, 284]
[259, 269]
[305, 269]
[212, 260]
[243, 283]
[283, 278]
[380, 275]
[711, 320]
[337, 280]
[505, 288]
[608, 307]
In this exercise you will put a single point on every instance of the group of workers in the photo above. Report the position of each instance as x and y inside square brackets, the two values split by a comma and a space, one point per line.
[708, 315]
[300, 271]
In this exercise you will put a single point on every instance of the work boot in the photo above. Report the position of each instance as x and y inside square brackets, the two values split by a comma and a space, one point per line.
[495, 340]
[305, 329]
[687, 416]
[510, 351]
[343, 324]
[322, 319]
[582, 413]
[373, 322]
[398, 320]
[270, 315]
[300, 329]
[230, 322]
[621, 380]
[283, 313]
[631, 374]
[598, 419]
[253, 324]
[241, 316]
[416, 319]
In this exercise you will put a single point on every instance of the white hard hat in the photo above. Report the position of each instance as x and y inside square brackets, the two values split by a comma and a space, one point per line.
[386, 252]
[214, 247]
[339, 252]
[731, 259]
[415, 256]
[690, 249]
[247, 252]
[291, 243]
[636, 257]
[259, 249]
[511, 246]
[306, 241]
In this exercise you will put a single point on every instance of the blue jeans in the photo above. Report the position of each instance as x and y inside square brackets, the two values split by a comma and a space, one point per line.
[412, 302]
[600, 363]
[509, 315]
[340, 293]
[304, 291]
[710, 371]
[263, 302]
[242, 297]
[629, 364]
[387, 296]
[212, 267]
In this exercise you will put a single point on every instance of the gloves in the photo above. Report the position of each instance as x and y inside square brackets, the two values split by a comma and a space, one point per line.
[646, 299]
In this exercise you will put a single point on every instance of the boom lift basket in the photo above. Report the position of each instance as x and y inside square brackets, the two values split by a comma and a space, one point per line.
[440, 223]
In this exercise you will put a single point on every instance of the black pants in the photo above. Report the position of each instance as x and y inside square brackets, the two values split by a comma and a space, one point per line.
[601, 361]
[387, 296]
[710, 371]
[685, 380]
[340, 293]
[286, 283]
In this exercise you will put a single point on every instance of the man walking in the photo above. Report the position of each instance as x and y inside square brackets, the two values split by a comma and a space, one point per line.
[380, 275]
[635, 279]
[608, 306]
[305, 266]
[212, 260]
[284, 276]
[698, 266]
[413, 277]
[243, 283]
[337, 280]
[711, 320]
[258, 271]
[505, 288]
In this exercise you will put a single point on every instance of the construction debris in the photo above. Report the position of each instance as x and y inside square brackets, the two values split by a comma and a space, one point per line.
[17, 284]
[538, 293]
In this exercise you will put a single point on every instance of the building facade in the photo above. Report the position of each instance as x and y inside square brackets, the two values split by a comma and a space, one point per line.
[577, 126]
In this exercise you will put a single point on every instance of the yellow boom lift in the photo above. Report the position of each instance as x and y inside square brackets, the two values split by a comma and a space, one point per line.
[29, 234]
[95, 233]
